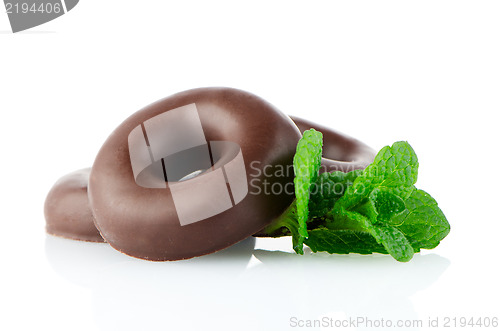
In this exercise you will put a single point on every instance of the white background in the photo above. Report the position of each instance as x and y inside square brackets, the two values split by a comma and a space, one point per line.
[423, 71]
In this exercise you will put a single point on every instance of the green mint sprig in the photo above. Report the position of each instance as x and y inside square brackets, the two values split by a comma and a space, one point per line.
[306, 163]
[364, 211]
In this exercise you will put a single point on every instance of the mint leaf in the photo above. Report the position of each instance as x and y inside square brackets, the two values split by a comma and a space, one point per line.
[306, 163]
[343, 242]
[423, 222]
[394, 242]
[377, 195]
[421, 225]
[386, 204]
[378, 239]
[328, 188]
[394, 168]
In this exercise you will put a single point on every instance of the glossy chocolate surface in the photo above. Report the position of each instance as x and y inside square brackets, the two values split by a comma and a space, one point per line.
[67, 210]
[135, 207]
[143, 222]
[340, 152]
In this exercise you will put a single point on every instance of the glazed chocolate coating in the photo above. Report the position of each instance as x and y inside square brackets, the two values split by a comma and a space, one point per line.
[67, 207]
[143, 222]
[67, 210]
[340, 152]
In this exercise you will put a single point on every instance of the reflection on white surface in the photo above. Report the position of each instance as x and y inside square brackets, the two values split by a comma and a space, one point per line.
[240, 288]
